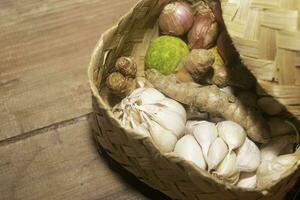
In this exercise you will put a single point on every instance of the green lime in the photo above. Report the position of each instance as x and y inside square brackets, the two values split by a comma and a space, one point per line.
[165, 53]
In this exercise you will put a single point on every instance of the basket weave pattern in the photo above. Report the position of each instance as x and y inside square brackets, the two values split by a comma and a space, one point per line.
[167, 173]
[266, 34]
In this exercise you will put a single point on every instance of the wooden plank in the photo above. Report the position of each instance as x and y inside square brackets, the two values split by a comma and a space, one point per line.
[62, 164]
[45, 48]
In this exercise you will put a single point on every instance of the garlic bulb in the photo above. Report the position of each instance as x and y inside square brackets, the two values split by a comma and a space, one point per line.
[269, 172]
[216, 153]
[227, 168]
[247, 180]
[142, 129]
[166, 118]
[163, 138]
[188, 149]
[205, 133]
[272, 149]
[150, 113]
[248, 157]
[142, 96]
[174, 106]
[232, 133]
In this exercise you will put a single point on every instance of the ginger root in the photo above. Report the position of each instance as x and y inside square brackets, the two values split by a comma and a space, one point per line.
[213, 100]
[198, 63]
[206, 67]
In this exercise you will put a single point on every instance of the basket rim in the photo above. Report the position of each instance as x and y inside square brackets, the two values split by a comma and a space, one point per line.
[93, 64]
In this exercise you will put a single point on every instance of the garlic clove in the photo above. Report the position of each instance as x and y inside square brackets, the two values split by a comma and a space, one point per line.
[247, 180]
[232, 133]
[167, 119]
[190, 126]
[216, 153]
[163, 138]
[269, 172]
[205, 133]
[174, 106]
[143, 96]
[227, 168]
[248, 157]
[188, 149]
[272, 149]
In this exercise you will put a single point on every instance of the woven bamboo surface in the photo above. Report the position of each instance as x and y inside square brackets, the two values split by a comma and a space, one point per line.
[266, 34]
[173, 176]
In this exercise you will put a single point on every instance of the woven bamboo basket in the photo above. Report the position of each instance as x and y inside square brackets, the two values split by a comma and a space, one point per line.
[271, 52]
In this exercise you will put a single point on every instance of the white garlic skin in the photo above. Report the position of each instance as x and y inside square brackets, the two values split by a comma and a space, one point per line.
[232, 133]
[145, 96]
[247, 180]
[205, 133]
[164, 139]
[188, 149]
[248, 157]
[166, 118]
[269, 172]
[151, 114]
[173, 106]
[216, 153]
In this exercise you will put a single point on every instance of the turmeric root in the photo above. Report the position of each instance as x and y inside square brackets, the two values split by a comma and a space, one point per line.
[211, 99]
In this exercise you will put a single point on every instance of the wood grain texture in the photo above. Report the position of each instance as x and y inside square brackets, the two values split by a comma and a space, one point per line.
[61, 164]
[45, 46]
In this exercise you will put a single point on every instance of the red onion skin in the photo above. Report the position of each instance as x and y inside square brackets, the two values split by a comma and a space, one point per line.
[204, 32]
[176, 19]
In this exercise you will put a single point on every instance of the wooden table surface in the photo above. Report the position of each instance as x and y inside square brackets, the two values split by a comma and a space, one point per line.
[46, 145]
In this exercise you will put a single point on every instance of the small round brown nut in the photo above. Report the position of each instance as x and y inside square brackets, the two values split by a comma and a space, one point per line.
[126, 66]
[116, 82]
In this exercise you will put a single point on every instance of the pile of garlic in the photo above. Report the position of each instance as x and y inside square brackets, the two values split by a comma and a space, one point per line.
[150, 113]
[223, 149]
